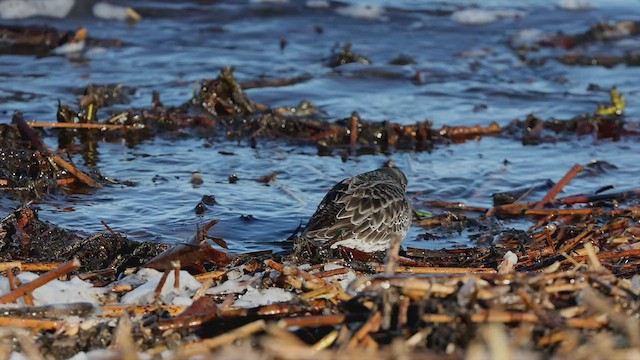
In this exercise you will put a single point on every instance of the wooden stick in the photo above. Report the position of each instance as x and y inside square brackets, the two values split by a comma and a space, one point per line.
[393, 254]
[158, 290]
[514, 208]
[176, 274]
[372, 325]
[28, 133]
[12, 280]
[326, 341]
[59, 125]
[65, 182]
[436, 270]
[115, 311]
[634, 253]
[123, 340]
[205, 286]
[214, 275]
[559, 186]
[317, 292]
[40, 266]
[571, 243]
[509, 317]
[570, 212]
[334, 272]
[6, 321]
[45, 278]
[455, 206]
[9, 265]
[220, 340]
[121, 288]
[293, 271]
[353, 136]
[313, 321]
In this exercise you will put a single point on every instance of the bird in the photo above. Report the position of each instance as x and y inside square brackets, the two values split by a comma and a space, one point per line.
[362, 212]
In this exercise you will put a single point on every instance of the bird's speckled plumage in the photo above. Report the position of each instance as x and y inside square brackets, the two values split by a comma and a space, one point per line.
[363, 211]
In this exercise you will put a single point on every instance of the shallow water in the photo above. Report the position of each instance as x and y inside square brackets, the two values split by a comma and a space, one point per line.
[462, 67]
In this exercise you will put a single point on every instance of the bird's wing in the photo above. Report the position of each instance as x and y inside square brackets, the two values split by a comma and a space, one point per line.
[360, 209]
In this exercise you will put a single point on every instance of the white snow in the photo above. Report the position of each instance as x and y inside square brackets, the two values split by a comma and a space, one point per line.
[259, 297]
[105, 354]
[344, 279]
[144, 294]
[58, 292]
[233, 286]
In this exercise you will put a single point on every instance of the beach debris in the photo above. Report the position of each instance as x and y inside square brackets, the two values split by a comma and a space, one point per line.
[344, 55]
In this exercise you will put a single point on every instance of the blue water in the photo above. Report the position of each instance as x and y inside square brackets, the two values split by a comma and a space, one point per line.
[463, 68]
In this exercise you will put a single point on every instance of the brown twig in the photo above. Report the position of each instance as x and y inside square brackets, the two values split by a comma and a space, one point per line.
[65, 182]
[176, 272]
[214, 275]
[35, 267]
[353, 136]
[329, 273]
[372, 325]
[5, 266]
[28, 133]
[455, 206]
[566, 212]
[313, 321]
[6, 321]
[43, 279]
[571, 243]
[634, 253]
[158, 290]
[393, 255]
[436, 270]
[293, 271]
[555, 190]
[511, 317]
[115, 311]
[106, 226]
[207, 345]
[326, 341]
[61, 125]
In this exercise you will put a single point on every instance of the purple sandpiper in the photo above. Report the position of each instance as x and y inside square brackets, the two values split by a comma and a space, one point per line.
[362, 212]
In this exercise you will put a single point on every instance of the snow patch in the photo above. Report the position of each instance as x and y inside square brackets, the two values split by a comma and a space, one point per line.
[58, 292]
[257, 297]
[144, 294]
